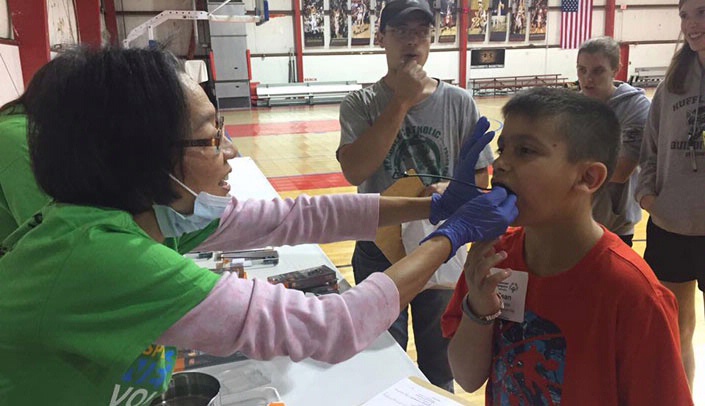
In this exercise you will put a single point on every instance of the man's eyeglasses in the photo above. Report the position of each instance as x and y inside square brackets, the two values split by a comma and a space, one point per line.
[402, 33]
[208, 142]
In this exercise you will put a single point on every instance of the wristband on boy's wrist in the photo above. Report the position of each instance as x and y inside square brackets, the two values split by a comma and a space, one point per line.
[483, 320]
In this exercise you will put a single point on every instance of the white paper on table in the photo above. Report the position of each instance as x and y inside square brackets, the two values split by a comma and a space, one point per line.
[408, 393]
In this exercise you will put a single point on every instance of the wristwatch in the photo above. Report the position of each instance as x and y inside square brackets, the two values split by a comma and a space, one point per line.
[483, 320]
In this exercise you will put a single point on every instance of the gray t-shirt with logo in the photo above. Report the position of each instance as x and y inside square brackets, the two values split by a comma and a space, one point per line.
[430, 137]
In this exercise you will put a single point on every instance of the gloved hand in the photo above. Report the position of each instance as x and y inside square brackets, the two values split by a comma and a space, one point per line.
[485, 217]
[442, 206]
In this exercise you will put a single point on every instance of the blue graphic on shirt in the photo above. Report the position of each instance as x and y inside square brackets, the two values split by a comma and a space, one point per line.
[146, 378]
[529, 363]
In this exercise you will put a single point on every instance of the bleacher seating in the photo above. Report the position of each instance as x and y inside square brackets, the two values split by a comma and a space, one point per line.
[511, 84]
[648, 76]
[303, 93]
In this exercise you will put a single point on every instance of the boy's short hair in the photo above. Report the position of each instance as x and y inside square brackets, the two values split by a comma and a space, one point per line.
[606, 46]
[105, 127]
[589, 126]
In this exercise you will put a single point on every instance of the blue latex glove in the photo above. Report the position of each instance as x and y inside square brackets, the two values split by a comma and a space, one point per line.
[485, 217]
[456, 194]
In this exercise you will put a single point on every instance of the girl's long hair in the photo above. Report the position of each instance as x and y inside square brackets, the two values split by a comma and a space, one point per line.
[677, 70]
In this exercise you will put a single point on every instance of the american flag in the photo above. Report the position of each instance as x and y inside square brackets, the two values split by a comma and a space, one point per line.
[576, 22]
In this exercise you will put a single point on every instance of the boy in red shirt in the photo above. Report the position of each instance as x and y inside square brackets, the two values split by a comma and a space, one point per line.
[595, 327]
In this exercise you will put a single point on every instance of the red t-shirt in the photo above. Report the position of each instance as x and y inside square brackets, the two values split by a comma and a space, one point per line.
[604, 332]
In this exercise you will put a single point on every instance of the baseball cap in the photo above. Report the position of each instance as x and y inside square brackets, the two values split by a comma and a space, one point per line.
[395, 11]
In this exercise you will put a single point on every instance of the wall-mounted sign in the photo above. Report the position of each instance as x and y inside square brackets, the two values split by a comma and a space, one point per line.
[487, 58]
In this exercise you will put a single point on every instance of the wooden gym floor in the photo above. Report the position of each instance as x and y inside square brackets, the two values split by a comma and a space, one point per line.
[295, 148]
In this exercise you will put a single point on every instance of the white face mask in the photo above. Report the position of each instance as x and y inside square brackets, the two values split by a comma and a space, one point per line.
[206, 208]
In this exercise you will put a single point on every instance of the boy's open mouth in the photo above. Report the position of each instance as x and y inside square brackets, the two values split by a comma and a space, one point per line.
[509, 190]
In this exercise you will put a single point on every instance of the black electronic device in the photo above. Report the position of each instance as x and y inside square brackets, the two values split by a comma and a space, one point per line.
[305, 279]
[328, 288]
[263, 256]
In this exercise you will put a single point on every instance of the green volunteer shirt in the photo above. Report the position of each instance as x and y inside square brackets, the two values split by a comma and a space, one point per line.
[84, 296]
[20, 196]
[189, 241]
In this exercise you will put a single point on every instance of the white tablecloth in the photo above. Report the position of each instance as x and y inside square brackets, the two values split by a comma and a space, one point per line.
[310, 383]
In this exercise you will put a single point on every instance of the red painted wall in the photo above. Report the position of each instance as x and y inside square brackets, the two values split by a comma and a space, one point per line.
[29, 18]
[624, 60]
[88, 17]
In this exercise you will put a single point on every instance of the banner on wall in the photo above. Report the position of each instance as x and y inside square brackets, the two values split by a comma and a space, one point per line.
[379, 6]
[448, 27]
[498, 20]
[312, 16]
[433, 22]
[338, 17]
[517, 24]
[477, 16]
[360, 27]
[538, 10]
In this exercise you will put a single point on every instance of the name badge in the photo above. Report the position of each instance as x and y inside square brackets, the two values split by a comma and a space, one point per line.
[513, 292]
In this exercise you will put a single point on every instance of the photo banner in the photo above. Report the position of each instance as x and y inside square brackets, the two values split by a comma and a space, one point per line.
[517, 26]
[360, 27]
[379, 6]
[338, 17]
[434, 23]
[538, 10]
[498, 20]
[477, 20]
[448, 27]
[312, 16]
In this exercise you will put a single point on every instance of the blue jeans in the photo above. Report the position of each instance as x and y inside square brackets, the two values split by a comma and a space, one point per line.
[426, 311]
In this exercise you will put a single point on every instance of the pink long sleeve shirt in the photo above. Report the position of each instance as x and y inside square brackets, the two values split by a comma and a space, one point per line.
[319, 219]
[263, 320]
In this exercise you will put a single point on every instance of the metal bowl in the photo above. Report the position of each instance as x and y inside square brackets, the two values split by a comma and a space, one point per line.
[190, 389]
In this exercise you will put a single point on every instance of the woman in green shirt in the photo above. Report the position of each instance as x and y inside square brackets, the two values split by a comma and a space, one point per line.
[94, 305]
[20, 196]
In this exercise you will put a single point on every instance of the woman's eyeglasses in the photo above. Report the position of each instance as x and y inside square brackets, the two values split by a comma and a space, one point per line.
[208, 142]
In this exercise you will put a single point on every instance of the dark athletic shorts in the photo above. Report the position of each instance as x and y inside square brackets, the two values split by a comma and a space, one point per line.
[674, 257]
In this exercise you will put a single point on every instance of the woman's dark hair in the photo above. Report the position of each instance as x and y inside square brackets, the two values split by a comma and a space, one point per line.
[33, 90]
[680, 63]
[678, 69]
[105, 127]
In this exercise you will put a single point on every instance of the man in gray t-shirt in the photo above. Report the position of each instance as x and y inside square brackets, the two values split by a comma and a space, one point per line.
[408, 120]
